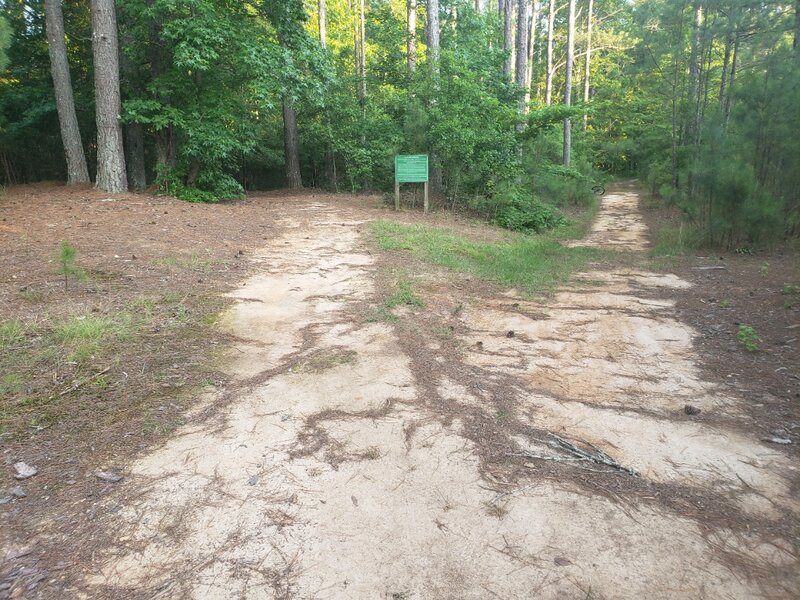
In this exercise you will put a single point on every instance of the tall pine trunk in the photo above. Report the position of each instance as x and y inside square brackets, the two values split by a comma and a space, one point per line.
[411, 10]
[323, 23]
[77, 172]
[548, 84]
[432, 36]
[361, 52]
[134, 154]
[587, 65]
[522, 57]
[568, 82]
[508, 36]
[111, 175]
[531, 53]
[291, 145]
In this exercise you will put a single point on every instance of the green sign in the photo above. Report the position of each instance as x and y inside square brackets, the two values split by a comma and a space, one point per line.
[411, 168]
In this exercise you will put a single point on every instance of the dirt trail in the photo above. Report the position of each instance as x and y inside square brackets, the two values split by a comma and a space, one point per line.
[333, 473]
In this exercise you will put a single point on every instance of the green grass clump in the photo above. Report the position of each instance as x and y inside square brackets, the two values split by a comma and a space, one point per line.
[791, 289]
[403, 296]
[11, 332]
[748, 338]
[533, 263]
[83, 329]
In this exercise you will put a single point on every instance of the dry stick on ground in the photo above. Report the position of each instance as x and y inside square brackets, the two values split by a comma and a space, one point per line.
[578, 454]
[84, 381]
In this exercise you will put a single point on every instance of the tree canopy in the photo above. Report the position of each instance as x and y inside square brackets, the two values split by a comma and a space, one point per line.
[697, 98]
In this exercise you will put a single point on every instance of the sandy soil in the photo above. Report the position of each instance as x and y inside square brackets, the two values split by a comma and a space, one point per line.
[340, 468]
[330, 476]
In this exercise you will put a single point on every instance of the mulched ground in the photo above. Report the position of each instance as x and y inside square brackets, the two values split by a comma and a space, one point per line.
[760, 290]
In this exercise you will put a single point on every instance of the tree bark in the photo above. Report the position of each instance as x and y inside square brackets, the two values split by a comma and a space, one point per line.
[531, 53]
[522, 57]
[323, 23]
[361, 72]
[694, 69]
[508, 36]
[111, 176]
[436, 181]
[77, 172]
[588, 63]
[411, 9]
[731, 81]
[548, 85]
[291, 145]
[134, 154]
[480, 5]
[433, 35]
[568, 82]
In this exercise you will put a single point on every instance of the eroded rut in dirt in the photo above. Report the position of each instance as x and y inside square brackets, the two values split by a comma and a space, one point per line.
[370, 460]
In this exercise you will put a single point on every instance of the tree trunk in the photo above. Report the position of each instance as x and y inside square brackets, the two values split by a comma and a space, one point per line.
[548, 85]
[731, 81]
[522, 57]
[323, 23]
[508, 36]
[432, 32]
[134, 153]
[531, 50]
[433, 35]
[796, 41]
[480, 5]
[291, 146]
[726, 62]
[694, 68]
[111, 176]
[77, 171]
[361, 62]
[166, 139]
[588, 63]
[568, 82]
[411, 9]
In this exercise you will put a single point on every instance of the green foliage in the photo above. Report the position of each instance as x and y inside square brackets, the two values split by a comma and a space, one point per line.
[532, 263]
[5, 42]
[11, 333]
[791, 289]
[403, 295]
[747, 337]
[528, 214]
[66, 263]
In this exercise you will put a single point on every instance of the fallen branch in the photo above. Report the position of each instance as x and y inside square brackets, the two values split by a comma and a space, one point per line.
[577, 454]
[84, 381]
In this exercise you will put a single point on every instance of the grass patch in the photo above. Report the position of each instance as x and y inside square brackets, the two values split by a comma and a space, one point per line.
[11, 333]
[193, 263]
[676, 241]
[113, 359]
[532, 263]
[83, 329]
[403, 295]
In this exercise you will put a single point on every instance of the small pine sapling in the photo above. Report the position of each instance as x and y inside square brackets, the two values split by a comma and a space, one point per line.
[66, 263]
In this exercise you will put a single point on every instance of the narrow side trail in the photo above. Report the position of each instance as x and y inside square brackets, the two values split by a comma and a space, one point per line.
[359, 459]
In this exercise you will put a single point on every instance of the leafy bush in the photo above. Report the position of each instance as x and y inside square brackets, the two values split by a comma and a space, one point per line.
[528, 214]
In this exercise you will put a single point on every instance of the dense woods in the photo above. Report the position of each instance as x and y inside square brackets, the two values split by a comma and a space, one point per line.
[522, 105]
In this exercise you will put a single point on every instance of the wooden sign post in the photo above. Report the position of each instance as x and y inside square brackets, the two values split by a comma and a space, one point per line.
[410, 168]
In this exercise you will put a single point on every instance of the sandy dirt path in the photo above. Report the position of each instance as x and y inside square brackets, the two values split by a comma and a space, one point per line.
[354, 459]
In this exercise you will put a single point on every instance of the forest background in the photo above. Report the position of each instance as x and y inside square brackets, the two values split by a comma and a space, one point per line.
[523, 106]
